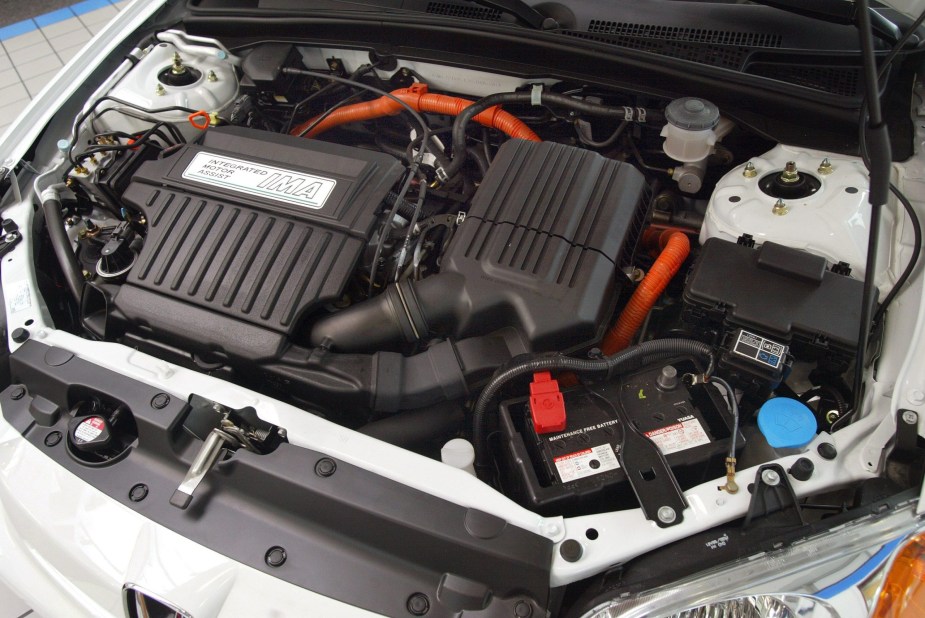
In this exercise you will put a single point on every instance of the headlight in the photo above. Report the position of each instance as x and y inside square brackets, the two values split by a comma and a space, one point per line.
[870, 564]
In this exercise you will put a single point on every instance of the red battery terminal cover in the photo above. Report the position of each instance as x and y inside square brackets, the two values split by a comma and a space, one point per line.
[547, 406]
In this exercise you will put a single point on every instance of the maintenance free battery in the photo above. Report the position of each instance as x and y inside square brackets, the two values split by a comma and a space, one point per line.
[578, 470]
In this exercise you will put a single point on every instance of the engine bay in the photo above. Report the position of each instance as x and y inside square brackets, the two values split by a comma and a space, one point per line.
[590, 299]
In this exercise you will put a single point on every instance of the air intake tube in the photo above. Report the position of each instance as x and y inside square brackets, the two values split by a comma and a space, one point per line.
[406, 312]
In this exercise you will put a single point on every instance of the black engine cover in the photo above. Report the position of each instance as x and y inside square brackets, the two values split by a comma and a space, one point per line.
[258, 226]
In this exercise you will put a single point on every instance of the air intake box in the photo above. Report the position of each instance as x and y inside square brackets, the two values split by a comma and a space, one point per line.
[538, 252]
[543, 239]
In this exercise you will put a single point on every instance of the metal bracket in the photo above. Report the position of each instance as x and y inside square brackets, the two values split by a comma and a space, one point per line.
[222, 429]
[650, 475]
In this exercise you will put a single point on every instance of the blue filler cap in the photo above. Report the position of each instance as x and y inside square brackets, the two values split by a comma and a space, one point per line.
[786, 423]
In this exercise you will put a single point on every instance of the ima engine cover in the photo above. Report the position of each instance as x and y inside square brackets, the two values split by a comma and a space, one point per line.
[256, 226]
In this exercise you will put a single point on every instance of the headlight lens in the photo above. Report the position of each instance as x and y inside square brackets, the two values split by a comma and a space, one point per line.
[903, 592]
[832, 575]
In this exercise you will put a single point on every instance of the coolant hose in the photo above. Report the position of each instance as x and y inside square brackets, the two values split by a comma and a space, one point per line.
[666, 266]
[492, 102]
[628, 359]
[54, 222]
[421, 100]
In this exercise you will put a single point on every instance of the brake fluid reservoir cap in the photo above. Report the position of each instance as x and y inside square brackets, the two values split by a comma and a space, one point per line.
[786, 423]
[692, 114]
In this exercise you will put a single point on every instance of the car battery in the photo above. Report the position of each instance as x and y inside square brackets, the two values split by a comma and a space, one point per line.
[578, 470]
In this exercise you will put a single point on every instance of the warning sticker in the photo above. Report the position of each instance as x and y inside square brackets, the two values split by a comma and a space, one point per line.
[89, 429]
[586, 463]
[20, 299]
[686, 433]
[758, 348]
[257, 179]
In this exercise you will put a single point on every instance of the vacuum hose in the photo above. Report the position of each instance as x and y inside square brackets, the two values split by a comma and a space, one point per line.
[54, 222]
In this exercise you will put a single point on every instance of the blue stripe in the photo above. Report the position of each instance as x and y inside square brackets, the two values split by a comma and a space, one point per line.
[54, 17]
[20, 27]
[862, 573]
[87, 6]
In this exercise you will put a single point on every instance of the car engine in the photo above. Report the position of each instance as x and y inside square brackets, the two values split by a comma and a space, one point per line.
[602, 298]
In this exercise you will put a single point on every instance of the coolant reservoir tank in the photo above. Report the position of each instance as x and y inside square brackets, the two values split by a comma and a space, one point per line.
[173, 73]
[803, 199]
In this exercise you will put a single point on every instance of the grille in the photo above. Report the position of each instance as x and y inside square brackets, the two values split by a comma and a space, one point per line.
[689, 35]
[843, 81]
[725, 56]
[468, 12]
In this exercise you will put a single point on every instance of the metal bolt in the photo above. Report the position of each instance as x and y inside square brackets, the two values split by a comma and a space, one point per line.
[325, 467]
[749, 171]
[418, 604]
[275, 556]
[770, 477]
[825, 167]
[666, 514]
[11, 237]
[790, 173]
[18, 393]
[177, 68]
[159, 90]
[780, 209]
[160, 401]
[831, 416]
[53, 438]
[211, 76]
[138, 492]
[910, 417]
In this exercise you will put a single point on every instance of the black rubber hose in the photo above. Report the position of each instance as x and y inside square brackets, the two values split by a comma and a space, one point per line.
[546, 98]
[628, 359]
[54, 222]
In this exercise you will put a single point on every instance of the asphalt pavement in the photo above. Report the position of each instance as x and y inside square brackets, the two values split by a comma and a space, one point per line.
[12, 11]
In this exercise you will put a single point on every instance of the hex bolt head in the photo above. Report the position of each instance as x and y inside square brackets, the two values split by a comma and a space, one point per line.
[53, 438]
[17, 393]
[160, 401]
[275, 556]
[418, 604]
[20, 335]
[749, 171]
[138, 492]
[780, 208]
[910, 418]
[325, 467]
[666, 514]
[770, 477]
